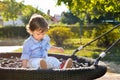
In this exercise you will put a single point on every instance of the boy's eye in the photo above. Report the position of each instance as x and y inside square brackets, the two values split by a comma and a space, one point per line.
[38, 34]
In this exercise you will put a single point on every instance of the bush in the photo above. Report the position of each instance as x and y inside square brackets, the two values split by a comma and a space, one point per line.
[60, 34]
[107, 39]
[13, 32]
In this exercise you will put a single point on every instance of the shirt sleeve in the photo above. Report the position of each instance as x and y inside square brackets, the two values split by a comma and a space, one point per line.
[25, 52]
[48, 45]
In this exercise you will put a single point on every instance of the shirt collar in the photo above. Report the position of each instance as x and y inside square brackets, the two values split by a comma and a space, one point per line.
[34, 40]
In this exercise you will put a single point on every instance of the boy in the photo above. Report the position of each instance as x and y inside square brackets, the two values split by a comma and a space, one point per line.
[35, 47]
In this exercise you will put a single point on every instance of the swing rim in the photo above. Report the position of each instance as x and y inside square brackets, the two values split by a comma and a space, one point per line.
[92, 72]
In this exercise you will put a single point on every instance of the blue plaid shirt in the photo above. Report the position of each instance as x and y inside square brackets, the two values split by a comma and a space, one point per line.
[35, 49]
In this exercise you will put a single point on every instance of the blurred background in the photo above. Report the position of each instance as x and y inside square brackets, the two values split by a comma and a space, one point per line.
[73, 22]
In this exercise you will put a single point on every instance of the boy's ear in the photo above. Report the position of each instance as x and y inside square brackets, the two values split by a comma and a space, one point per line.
[28, 30]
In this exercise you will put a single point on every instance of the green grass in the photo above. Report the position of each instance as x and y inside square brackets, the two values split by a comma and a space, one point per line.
[18, 50]
[93, 51]
[88, 51]
[113, 55]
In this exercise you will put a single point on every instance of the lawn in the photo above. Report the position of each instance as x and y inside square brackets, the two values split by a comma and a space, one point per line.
[93, 51]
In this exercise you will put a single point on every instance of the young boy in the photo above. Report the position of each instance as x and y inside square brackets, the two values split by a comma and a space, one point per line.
[36, 46]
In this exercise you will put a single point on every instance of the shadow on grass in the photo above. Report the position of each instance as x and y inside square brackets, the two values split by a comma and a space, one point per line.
[112, 56]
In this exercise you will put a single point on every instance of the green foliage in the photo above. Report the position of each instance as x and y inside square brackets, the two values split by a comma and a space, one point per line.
[114, 54]
[12, 9]
[92, 8]
[109, 38]
[2, 6]
[86, 34]
[13, 32]
[60, 34]
[93, 33]
[69, 18]
[75, 30]
[28, 11]
[109, 17]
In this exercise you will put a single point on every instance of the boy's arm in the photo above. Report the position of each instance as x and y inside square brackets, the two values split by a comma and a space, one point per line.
[24, 63]
[56, 49]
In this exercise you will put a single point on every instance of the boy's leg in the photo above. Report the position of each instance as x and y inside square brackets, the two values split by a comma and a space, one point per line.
[43, 64]
[53, 62]
[67, 64]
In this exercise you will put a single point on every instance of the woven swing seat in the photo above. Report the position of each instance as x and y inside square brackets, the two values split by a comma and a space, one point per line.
[88, 72]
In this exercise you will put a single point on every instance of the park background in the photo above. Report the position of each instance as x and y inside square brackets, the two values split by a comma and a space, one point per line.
[81, 23]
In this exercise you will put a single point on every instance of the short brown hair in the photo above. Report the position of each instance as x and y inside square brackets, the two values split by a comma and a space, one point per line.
[37, 22]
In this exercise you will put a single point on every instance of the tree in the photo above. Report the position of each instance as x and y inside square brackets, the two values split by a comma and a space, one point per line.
[69, 18]
[12, 10]
[107, 18]
[89, 9]
[28, 11]
[2, 6]
[92, 8]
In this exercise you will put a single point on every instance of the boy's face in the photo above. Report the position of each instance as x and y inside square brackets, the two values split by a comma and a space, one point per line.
[38, 34]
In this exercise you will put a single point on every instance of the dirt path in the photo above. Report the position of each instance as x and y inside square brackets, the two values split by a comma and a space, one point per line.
[110, 76]
[113, 72]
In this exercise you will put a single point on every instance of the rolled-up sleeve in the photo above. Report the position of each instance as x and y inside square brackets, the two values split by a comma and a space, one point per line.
[48, 46]
[25, 52]
[47, 39]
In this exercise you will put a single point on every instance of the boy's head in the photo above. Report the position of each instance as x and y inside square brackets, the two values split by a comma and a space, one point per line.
[37, 22]
[37, 25]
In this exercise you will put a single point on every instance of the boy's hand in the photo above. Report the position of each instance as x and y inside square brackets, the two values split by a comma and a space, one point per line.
[56, 49]
[61, 50]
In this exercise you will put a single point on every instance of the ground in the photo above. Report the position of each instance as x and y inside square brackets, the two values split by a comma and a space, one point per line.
[110, 76]
[113, 72]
